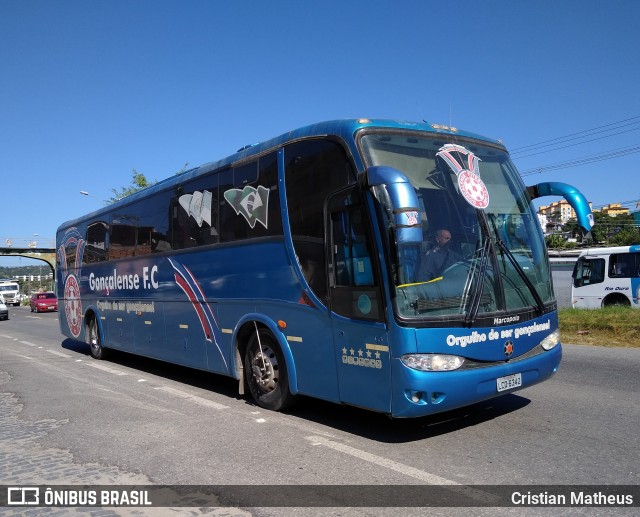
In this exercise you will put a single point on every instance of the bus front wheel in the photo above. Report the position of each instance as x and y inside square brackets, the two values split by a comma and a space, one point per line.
[267, 372]
[94, 340]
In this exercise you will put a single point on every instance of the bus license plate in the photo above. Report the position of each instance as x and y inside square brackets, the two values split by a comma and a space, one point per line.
[509, 382]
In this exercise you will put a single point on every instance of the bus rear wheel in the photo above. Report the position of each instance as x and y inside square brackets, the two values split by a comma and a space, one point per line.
[94, 340]
[267, 372]
[616, 300]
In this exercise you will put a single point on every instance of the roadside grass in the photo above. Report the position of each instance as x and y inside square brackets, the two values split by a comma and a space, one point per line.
[611, 326]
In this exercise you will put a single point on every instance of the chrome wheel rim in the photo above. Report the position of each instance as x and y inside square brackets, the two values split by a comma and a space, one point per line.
[265, 370]
[93, 339]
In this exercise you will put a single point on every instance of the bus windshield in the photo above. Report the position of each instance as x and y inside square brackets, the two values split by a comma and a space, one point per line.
[482, 251]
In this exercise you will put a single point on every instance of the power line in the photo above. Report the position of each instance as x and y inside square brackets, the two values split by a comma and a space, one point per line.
[615, 153]
[574, 136]
[633, 203]
[577, 143]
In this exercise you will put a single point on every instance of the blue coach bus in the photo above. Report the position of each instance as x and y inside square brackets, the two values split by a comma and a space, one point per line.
[297, 267]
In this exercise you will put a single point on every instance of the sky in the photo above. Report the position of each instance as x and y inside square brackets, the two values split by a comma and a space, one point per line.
[91, 90]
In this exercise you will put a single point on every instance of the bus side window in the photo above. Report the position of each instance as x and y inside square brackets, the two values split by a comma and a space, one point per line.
[623, 265]
[71, 249]
[122, 240]
[97, 247]
[313, 170]
[249, 200]
[194, 215]
[588, 272]
[351, 255]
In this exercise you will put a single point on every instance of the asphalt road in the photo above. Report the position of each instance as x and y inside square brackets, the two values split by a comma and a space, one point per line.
[66, 419]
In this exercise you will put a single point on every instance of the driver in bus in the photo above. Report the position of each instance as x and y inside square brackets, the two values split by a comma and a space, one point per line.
[440, 257]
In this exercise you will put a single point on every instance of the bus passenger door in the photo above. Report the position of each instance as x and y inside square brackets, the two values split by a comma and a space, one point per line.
[356, 303]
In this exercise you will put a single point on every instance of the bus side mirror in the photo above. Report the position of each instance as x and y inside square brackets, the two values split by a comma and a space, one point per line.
[573, 196]
[396, 191]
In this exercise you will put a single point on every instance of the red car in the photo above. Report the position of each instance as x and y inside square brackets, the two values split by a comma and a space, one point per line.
[43, 302]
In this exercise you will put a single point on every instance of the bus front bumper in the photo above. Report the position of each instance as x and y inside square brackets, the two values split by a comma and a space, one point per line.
[418, 393]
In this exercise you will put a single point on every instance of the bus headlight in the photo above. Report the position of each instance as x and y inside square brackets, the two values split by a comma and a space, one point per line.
[432, 362]
[551, 341]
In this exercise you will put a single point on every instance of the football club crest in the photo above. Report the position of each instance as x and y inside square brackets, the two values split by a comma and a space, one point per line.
[412, 218]
[465, 164]
[198, 206]
[73, 305]
[251, 203]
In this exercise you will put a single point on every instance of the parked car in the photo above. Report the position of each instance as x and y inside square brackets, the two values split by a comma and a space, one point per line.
[4, 312]
[43, 302]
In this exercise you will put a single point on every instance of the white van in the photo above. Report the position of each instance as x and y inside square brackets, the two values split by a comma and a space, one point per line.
[607, 276]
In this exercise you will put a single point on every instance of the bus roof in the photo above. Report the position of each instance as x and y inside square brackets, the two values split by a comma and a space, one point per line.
[344, 128]
[594, 252]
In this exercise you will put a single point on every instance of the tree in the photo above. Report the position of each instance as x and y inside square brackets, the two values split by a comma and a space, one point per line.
[138, 182]
[626, 237]
[620, 230]
[555, 241]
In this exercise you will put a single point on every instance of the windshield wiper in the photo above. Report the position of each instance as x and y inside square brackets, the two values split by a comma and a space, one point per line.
[476, 295]
[506, 251]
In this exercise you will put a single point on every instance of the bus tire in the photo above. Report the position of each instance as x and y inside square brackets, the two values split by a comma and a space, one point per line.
[94, 340]
[616, 300]
[266, 372]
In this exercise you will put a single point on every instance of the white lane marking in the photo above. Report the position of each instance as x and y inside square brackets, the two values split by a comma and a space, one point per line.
[4, 335]
[426, 477]
[192, 398]
[105, 369]
[55, 352]
[421, 475]
[28, 343]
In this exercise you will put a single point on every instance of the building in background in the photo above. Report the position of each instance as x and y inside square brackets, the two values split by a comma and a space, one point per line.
[552, 217]
[614, 210]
